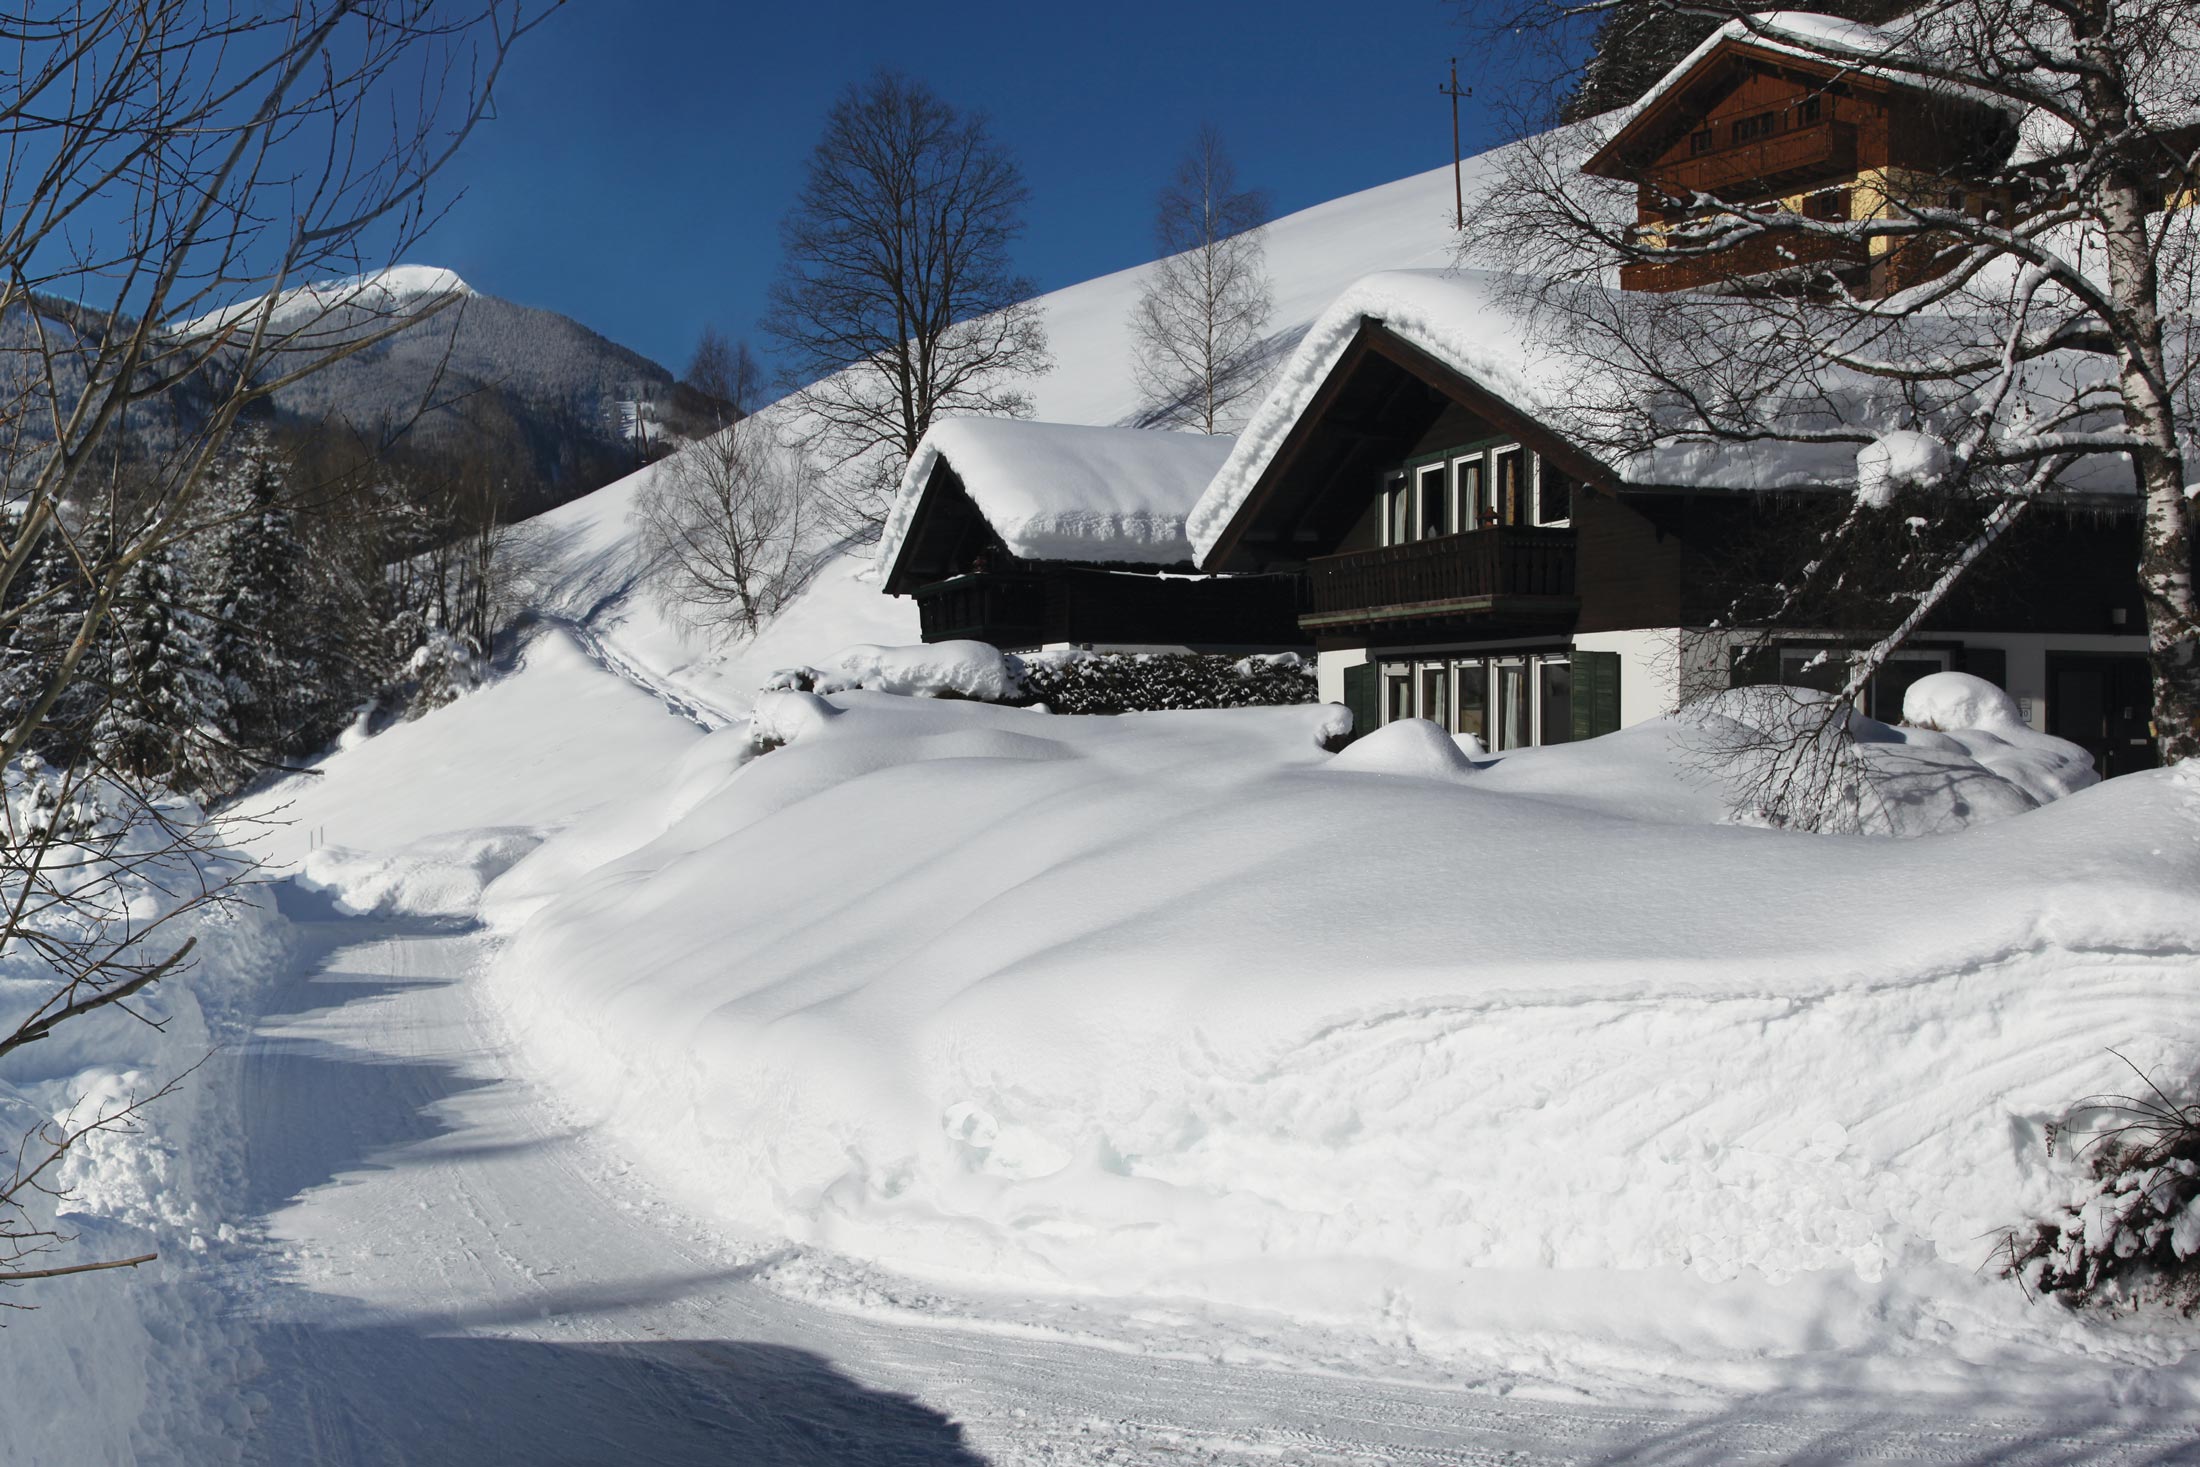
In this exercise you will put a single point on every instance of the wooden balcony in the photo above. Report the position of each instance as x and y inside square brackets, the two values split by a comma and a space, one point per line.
[1824, 151]
[1763, 255]
[1044, 606]
[1508, 572]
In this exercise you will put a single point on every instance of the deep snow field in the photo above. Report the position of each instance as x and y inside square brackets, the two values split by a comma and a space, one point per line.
[954, 1082]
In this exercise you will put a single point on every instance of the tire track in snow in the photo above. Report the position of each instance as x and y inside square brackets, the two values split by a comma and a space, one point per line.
[682, 702]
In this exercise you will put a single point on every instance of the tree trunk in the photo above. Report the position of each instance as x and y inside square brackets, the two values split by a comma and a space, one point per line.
[2166, 542]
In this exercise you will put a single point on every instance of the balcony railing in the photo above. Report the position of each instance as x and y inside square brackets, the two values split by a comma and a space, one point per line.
[1761, 255]
[1502, 571]
[1821, 150]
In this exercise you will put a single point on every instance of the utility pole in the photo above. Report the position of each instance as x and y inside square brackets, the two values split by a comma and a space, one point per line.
[1458, 194]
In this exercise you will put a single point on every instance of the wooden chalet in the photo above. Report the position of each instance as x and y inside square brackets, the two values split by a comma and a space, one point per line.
[1754, 121]
[1465, 563]
[1046, 535]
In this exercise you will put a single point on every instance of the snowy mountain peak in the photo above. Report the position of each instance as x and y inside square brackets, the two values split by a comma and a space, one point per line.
[387, 290]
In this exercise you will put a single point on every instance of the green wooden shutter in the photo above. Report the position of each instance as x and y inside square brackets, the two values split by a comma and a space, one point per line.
[1363, 695]
[1596, 693]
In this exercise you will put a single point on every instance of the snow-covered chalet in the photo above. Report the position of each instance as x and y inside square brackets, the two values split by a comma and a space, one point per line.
[1048, 535]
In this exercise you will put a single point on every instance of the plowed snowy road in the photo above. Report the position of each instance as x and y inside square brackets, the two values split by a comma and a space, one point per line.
[450, 1273]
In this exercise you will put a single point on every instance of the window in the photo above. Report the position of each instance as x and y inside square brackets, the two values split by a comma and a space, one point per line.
[1515, 723]
[1554, 495]
[1397, 512]
[1508, 701]
[1467, 477]
[1474, 681]
[1826, 668]
[1435, 702]
[1434, 496]
[1555, 699]
[1827, 203]
[1749, 129]
[1883, 698]
[1506, 504]
[1808, 111]
[1700, 141]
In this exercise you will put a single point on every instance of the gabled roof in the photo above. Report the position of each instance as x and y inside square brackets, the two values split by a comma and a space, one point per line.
[1819, 45]
[1062, 491]
[1475, 334]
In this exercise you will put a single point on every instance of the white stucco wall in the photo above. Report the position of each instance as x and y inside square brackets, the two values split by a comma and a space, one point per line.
[1329, 671]
[1649, 669]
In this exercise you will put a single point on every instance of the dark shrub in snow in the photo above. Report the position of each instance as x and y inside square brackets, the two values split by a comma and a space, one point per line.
[1139, 682]
[2132, 1230]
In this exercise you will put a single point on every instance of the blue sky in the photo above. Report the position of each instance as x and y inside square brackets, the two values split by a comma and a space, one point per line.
[645, 149]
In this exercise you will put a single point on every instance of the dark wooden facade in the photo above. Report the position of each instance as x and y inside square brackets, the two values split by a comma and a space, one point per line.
[1629, 557]
[968, 586]
[1754, 126]
[1040, 605]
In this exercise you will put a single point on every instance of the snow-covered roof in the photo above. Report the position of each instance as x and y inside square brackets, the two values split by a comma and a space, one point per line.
[1483, 326]
[1062, 491]
[1864, 49]
[1476, 323]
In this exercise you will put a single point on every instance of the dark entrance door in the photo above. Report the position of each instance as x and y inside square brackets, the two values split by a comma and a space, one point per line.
[2105, 702]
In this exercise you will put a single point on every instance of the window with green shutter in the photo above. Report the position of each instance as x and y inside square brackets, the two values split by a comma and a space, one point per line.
[1363, 695]
[1595, 693]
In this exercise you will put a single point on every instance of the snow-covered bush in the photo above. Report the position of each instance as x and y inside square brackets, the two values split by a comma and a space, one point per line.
[1064, 682]
[446, 666]
[974, 670]
[2131, 1229]
[1140, 682]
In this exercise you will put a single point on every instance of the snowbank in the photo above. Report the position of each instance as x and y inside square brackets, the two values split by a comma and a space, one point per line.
[1176, 1005]
[1412, 747]
[138, 1365]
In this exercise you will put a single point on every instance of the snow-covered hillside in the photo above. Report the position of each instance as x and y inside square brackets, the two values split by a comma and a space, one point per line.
[1312, 256]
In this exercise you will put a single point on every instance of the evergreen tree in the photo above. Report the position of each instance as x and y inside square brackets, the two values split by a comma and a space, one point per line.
[252, 577]
[45, 613]
[167, 713]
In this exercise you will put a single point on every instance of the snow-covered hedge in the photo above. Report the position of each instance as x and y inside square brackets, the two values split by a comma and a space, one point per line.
[1139, 682]
[1063, 682]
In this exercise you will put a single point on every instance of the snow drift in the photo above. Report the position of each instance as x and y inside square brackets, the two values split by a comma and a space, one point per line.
[1178, 1005]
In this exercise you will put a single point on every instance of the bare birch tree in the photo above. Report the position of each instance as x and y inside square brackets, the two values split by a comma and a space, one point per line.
[732, 527]
[2029, 314]
[1198, 326]
[159, 161]
[896, 302]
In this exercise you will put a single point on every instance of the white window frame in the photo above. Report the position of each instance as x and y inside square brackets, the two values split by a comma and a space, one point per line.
[1395, 485]
[1440, 473]
[1468, 516]
[1536, 519]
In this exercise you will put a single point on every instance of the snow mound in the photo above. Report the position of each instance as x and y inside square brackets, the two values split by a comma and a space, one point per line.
[1040, 1003]
[923, 670]
[1949, 701]
[1892, 779]
[1413, 747]
[441, 876]
[1903, 459]
[1060, 491]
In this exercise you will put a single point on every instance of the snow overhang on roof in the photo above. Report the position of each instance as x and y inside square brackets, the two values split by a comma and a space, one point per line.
[1838, 47]
[1481, 327]
[1465, 320]
[1062, 491]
